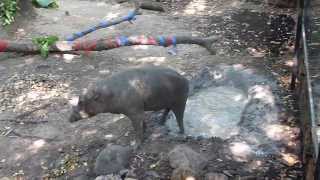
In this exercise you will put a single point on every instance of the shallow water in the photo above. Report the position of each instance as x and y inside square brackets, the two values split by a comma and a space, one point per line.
[213, 112]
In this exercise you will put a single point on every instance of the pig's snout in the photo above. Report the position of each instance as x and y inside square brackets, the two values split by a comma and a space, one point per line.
[75, 116]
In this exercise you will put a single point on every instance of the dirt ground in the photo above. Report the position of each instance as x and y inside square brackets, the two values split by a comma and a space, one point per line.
[44, 143]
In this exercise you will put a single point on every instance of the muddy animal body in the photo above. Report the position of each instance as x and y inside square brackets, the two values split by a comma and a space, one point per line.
[131, 92]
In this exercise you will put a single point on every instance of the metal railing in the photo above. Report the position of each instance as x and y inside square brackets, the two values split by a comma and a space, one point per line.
[301, 71]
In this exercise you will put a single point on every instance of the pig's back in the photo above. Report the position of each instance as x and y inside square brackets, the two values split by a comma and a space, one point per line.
[158, 87]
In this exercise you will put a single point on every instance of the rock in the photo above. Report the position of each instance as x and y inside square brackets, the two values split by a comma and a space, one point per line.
[112, 159]
[183, 173]
[109, 177]
[215, 176]
[152, 175]
[81, 177]
[183, 156]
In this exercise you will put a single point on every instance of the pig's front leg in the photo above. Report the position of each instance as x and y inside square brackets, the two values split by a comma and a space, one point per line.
[137, 120]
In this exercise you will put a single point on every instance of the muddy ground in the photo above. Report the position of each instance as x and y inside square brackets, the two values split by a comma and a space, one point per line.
[44, 143]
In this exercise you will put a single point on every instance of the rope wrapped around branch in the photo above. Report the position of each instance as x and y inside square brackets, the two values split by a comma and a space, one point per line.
[104, 24]
[109, 43]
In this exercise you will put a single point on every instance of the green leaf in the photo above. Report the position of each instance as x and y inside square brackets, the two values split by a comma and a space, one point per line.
[44, 44]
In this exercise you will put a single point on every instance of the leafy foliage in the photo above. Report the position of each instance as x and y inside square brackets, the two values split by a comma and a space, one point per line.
[44, 44]
[8, 10]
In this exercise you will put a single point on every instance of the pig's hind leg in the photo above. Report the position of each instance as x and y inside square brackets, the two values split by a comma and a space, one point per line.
[164, 116]
[178, 111]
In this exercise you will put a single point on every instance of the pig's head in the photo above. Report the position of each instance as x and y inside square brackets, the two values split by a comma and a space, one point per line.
[89, 104]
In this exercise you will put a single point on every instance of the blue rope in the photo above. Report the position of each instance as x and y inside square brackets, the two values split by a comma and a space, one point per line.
[104, 24]
[123, 41]
[174, 41]
[173, 50]
[130, 17]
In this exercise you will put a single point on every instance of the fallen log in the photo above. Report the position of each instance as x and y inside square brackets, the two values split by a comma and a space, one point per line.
[147, 4]
[108, 43]
[154, 6]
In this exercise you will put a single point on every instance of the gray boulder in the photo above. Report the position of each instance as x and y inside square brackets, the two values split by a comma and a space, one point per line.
[112, 159]
[183, 156]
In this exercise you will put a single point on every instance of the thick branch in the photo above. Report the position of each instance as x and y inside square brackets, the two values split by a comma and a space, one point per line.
[109, 43]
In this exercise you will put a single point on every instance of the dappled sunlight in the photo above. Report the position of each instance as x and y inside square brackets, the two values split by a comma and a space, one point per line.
[276, 131]
[263, 93]
[64, 45]
[238, 67]
[289, 159]
[68, 57]
[105, 71]
[195, 7]
[239, 97]
[116, 117]
[89, 132]
[289, 63]
[109, 136]
[147, 60]
[111, 15]
[18, 156]
[101, 4]
[240, 151]
[36, 146]
[279, 132]
[217, 75]
[29, 60]
[256, 164]
[143, 47]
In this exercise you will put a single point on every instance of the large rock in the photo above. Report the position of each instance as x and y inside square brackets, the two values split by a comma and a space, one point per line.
[215, 176]
[112, 159]
[183, 156]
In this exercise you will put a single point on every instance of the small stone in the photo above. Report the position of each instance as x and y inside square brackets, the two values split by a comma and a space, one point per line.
[183, 173]
[153, 174]
[215, 176]
[183, 156]
[108, 177]
[112, 159]
[227, 173]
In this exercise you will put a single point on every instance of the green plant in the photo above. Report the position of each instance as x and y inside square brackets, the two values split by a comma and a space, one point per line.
[44, 44]
[8, 10]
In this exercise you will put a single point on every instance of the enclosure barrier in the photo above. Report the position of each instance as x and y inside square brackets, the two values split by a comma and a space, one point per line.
[301, 72]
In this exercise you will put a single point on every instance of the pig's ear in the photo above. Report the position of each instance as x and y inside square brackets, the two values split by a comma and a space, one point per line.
[74, 101]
